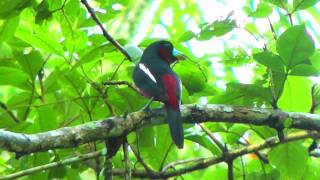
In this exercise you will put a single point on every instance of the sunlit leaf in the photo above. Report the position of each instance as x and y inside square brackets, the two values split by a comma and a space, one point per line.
[295, 45]
[296, 95]
[8, 28]
[303, 4]
[12, 76]
[304, 70]
[270, 60]
[290, 159]
[186, 36]
[263, 10]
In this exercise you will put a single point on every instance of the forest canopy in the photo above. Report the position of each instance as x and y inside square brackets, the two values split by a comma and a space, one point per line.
[249, 89]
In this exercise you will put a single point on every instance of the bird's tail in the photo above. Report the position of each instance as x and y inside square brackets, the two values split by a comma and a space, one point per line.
[175, 125]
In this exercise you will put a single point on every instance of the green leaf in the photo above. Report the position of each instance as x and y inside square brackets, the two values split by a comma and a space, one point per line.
[47, 118]
[303, 4]
[11, 8]
[192, 77]
[12, 76]
[315, 60]
[8, 28]
[57, 173]
[6, 51]
[145, 137]
[290, 158]
[280, 3]
[304, 70]
[95, 54]
[50, 83]
[270, 60]
[41, 39]
[295, 45]
[218, 28]
[263, 10]
[205, 142]
[20, 103]
[43, 12]
[90, 56]
[186, 36]
[235, 133]
[30, 63]
[279, 79]
[296, 94]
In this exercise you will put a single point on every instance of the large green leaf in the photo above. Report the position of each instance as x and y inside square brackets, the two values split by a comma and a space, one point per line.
[290, 158]
[270, 60]
[295, 45]
[315, 60]
[280, 3]
[235, 133]
[46, 118]
[296, 95]
[8, 28]
[43, 12]
[11, 8]
[218, 28]
[12, 76]
[6, 52]
[303, 4]
[204, 141]
[304, 70]
[186, 36]
[41, 39]
[30, 63]
[193, 78]
[263, 10]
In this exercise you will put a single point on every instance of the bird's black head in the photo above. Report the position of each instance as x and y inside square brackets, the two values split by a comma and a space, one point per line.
[164, 50]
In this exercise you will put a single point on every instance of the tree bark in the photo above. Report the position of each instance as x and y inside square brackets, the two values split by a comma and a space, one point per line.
[116, 126]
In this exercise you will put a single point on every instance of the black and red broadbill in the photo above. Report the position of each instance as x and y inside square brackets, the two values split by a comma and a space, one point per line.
[157, 81]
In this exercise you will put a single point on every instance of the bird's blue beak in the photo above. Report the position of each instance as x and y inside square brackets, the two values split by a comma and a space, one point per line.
[178, 55]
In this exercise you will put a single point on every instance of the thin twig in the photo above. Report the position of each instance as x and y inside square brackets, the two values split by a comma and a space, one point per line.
[126, 161]
[60, 8]
[68, 161]
[10, 113]
[182, 162]
[105, 33]
[122, 83]
[272, 30]
[243, 168]
[230, 169]
[290, 18]
[314, 103]
[215, 140]
[139, 158]
[165, 157]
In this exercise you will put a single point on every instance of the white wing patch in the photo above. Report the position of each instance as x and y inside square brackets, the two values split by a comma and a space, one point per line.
[147, 72]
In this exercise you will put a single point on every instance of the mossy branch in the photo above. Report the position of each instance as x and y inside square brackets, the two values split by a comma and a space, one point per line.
[117, 126]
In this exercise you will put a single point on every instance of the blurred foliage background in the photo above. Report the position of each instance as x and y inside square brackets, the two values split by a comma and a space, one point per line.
[54, 61]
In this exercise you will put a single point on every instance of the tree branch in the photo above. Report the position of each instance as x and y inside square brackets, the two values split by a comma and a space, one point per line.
[117, 126]
[105, 33]
[53, 165]
[206, 162]
[167, 172]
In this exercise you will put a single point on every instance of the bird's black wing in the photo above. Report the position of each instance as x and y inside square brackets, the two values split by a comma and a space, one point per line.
[148, 84]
